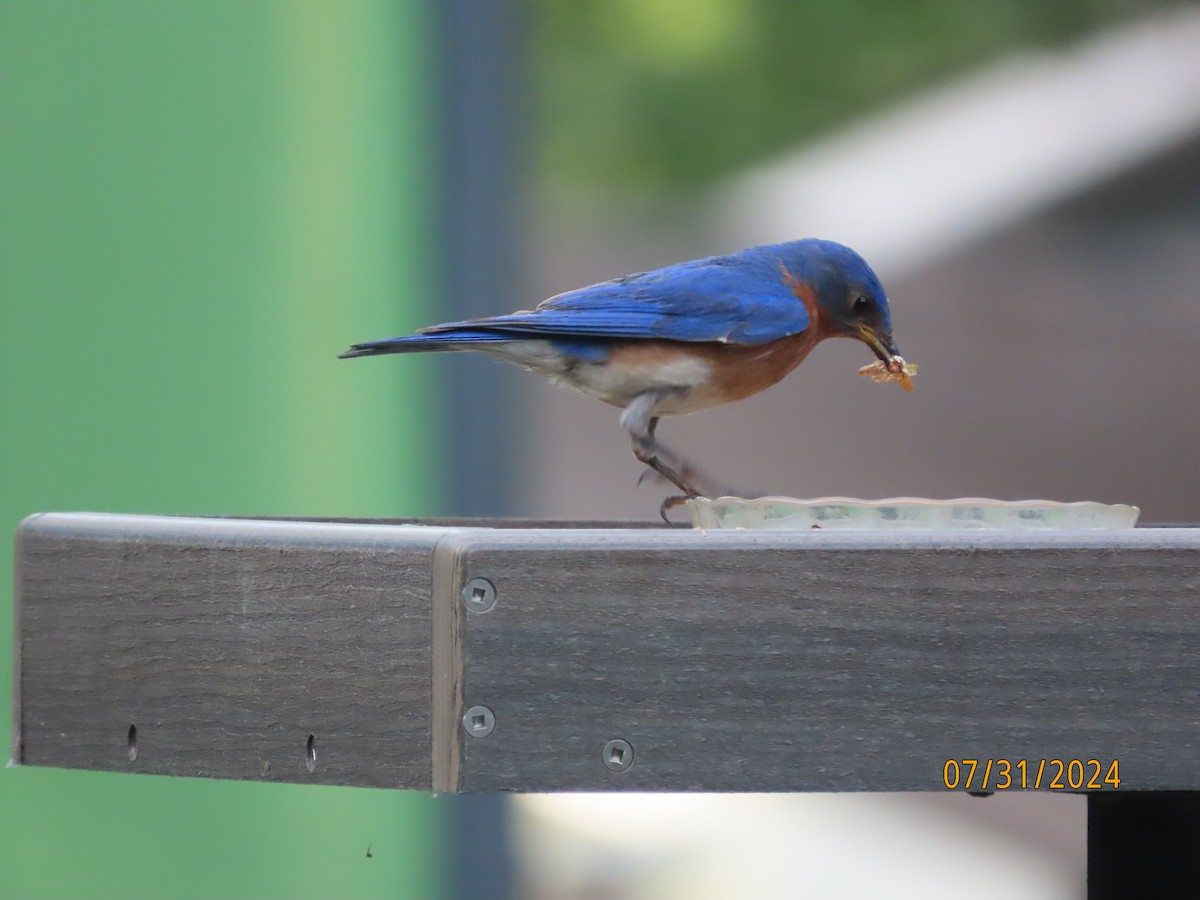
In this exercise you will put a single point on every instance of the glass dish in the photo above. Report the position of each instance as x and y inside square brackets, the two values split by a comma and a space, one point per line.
[849, 514]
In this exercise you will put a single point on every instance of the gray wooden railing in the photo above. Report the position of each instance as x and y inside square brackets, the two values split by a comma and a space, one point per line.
[465, 657]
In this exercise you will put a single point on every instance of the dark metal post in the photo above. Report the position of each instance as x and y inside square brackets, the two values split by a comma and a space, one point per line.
[1143, 844]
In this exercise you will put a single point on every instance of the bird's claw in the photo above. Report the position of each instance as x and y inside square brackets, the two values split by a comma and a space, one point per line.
[671, 503]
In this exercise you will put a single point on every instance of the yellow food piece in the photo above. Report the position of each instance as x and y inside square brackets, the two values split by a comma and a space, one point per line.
[899, 370]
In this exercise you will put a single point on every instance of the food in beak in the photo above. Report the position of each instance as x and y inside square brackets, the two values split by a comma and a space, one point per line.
[896, 369]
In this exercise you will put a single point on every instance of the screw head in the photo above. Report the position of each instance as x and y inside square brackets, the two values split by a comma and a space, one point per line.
[479, 721]
[479, 595]
[617, 755]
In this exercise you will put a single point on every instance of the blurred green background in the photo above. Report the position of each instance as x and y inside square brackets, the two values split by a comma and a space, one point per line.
[202, 203]
[671, 94]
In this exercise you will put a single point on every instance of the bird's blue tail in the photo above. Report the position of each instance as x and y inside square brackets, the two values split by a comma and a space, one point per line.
[457, 339]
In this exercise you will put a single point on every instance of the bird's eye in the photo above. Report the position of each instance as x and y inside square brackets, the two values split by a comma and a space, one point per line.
[861, 304]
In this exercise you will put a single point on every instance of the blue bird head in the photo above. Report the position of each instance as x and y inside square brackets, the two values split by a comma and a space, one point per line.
[850, 300]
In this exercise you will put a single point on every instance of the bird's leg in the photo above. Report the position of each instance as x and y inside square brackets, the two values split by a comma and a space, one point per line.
[674, 500]
[639, 420]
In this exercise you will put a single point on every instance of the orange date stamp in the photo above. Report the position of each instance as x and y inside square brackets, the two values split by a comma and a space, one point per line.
[1031, 774]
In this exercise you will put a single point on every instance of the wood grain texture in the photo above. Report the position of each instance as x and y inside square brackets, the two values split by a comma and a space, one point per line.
[226, 643]
[448, 621]
[817, 662]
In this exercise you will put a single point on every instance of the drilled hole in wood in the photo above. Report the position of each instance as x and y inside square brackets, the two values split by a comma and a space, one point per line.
[310, 753]
[132, 741]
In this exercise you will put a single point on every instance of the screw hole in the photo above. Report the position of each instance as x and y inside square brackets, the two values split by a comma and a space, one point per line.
[617, 755]
[132, 742]
[310, 753]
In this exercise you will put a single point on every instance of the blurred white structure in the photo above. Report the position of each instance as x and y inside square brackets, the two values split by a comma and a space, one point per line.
[765, 847]
[938, 172]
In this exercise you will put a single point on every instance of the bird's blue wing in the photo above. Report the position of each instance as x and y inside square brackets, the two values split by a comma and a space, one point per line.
[725, 299]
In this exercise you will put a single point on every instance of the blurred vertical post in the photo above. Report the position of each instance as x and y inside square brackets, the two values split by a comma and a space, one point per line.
[482, 111]
[481, 116]
[203, 204]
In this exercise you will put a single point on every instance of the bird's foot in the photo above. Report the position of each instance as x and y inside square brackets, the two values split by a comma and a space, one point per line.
[703, 484]
[682, 476]
[670, 503]
[678, 473]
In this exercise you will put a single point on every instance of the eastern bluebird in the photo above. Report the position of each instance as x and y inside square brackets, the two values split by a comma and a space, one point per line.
[686, 337]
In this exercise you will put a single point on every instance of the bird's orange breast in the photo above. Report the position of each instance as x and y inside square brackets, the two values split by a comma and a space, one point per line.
[739, 371]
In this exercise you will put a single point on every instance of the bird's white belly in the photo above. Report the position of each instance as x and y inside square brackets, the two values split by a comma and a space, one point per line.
[619, 384]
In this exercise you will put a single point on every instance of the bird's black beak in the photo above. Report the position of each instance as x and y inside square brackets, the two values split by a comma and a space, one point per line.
[884, 347]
